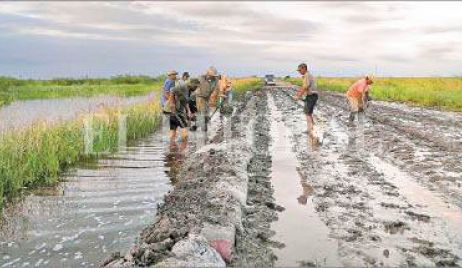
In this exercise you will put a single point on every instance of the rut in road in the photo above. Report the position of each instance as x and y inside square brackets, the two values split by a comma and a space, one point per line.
[379, 212]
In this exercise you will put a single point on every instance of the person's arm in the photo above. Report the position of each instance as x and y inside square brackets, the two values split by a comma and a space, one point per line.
[166, 90]
[301, 90]
[300, 93]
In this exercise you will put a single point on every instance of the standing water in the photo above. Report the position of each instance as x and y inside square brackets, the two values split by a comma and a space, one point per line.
[21, 114]
[95, 210]
[305, 236]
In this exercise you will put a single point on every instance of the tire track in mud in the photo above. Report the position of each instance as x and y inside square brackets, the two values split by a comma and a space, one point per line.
[375, 221]
[253, 244]
[420, 149]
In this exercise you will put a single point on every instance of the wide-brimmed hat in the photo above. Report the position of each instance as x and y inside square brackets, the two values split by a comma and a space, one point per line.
[212, 71]
[172, 72]
[194, 82]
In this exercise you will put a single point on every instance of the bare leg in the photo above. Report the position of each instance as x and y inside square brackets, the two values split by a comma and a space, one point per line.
[172, 135]
[184, 134]
[310, 124]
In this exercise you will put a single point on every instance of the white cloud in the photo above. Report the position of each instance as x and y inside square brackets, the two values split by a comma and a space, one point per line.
[335, 37]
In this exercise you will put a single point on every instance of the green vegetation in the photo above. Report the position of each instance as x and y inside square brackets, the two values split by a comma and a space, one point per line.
[37, 155]
[15, 89]
[444, 93]
[242, 85]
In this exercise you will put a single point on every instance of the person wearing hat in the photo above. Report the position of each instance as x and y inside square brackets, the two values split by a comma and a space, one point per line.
[184, 78]
[308, 91]
[208, 85]
[168, 85]
[179, 107]
[357, 96]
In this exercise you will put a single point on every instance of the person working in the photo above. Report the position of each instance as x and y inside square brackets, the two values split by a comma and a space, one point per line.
[179, 107]
[308, 91]
[208, 84]
[357, 96]
[168, 85]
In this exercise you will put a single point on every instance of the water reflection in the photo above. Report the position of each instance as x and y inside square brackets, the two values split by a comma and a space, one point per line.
[174, 159]
[98, 209]
[307, 189]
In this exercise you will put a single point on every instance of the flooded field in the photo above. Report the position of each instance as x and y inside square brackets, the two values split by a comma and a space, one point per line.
[21, 114]
[98, 208]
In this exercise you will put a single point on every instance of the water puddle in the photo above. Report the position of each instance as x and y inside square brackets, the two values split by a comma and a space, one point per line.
[305, 236]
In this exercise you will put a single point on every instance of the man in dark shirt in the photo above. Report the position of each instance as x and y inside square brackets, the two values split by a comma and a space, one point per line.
[179, 106]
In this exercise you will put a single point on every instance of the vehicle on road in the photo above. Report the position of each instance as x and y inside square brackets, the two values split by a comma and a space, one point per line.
[269, 80]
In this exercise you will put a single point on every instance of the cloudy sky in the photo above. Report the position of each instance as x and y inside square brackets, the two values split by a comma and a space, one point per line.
[56, 39]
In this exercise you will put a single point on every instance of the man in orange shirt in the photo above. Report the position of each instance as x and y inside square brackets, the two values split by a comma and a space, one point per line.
[357, 96]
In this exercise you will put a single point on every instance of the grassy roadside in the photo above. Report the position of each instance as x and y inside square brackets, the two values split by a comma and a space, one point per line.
[37, 155]
[12, 89]
[242, 85]
[443, 93]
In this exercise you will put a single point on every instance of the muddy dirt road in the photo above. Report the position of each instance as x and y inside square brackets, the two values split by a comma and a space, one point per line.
[386, 192]
[389, 189]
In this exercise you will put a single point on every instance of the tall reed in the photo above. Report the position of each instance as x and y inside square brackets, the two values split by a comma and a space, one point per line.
[36, 156]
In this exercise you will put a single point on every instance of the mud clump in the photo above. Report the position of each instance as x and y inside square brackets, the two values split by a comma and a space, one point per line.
[395, 227]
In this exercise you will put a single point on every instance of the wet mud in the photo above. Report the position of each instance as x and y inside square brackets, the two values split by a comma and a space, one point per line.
[385, 192]
[381, 211]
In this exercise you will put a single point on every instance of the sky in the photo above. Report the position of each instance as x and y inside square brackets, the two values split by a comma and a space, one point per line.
[100, 39]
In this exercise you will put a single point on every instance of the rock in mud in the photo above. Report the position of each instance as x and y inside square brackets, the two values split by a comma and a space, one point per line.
[195, 251]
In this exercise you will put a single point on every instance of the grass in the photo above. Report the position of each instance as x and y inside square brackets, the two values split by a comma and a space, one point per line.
[443, 93]
[37, 155]
[12, 89]
[242, 85]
